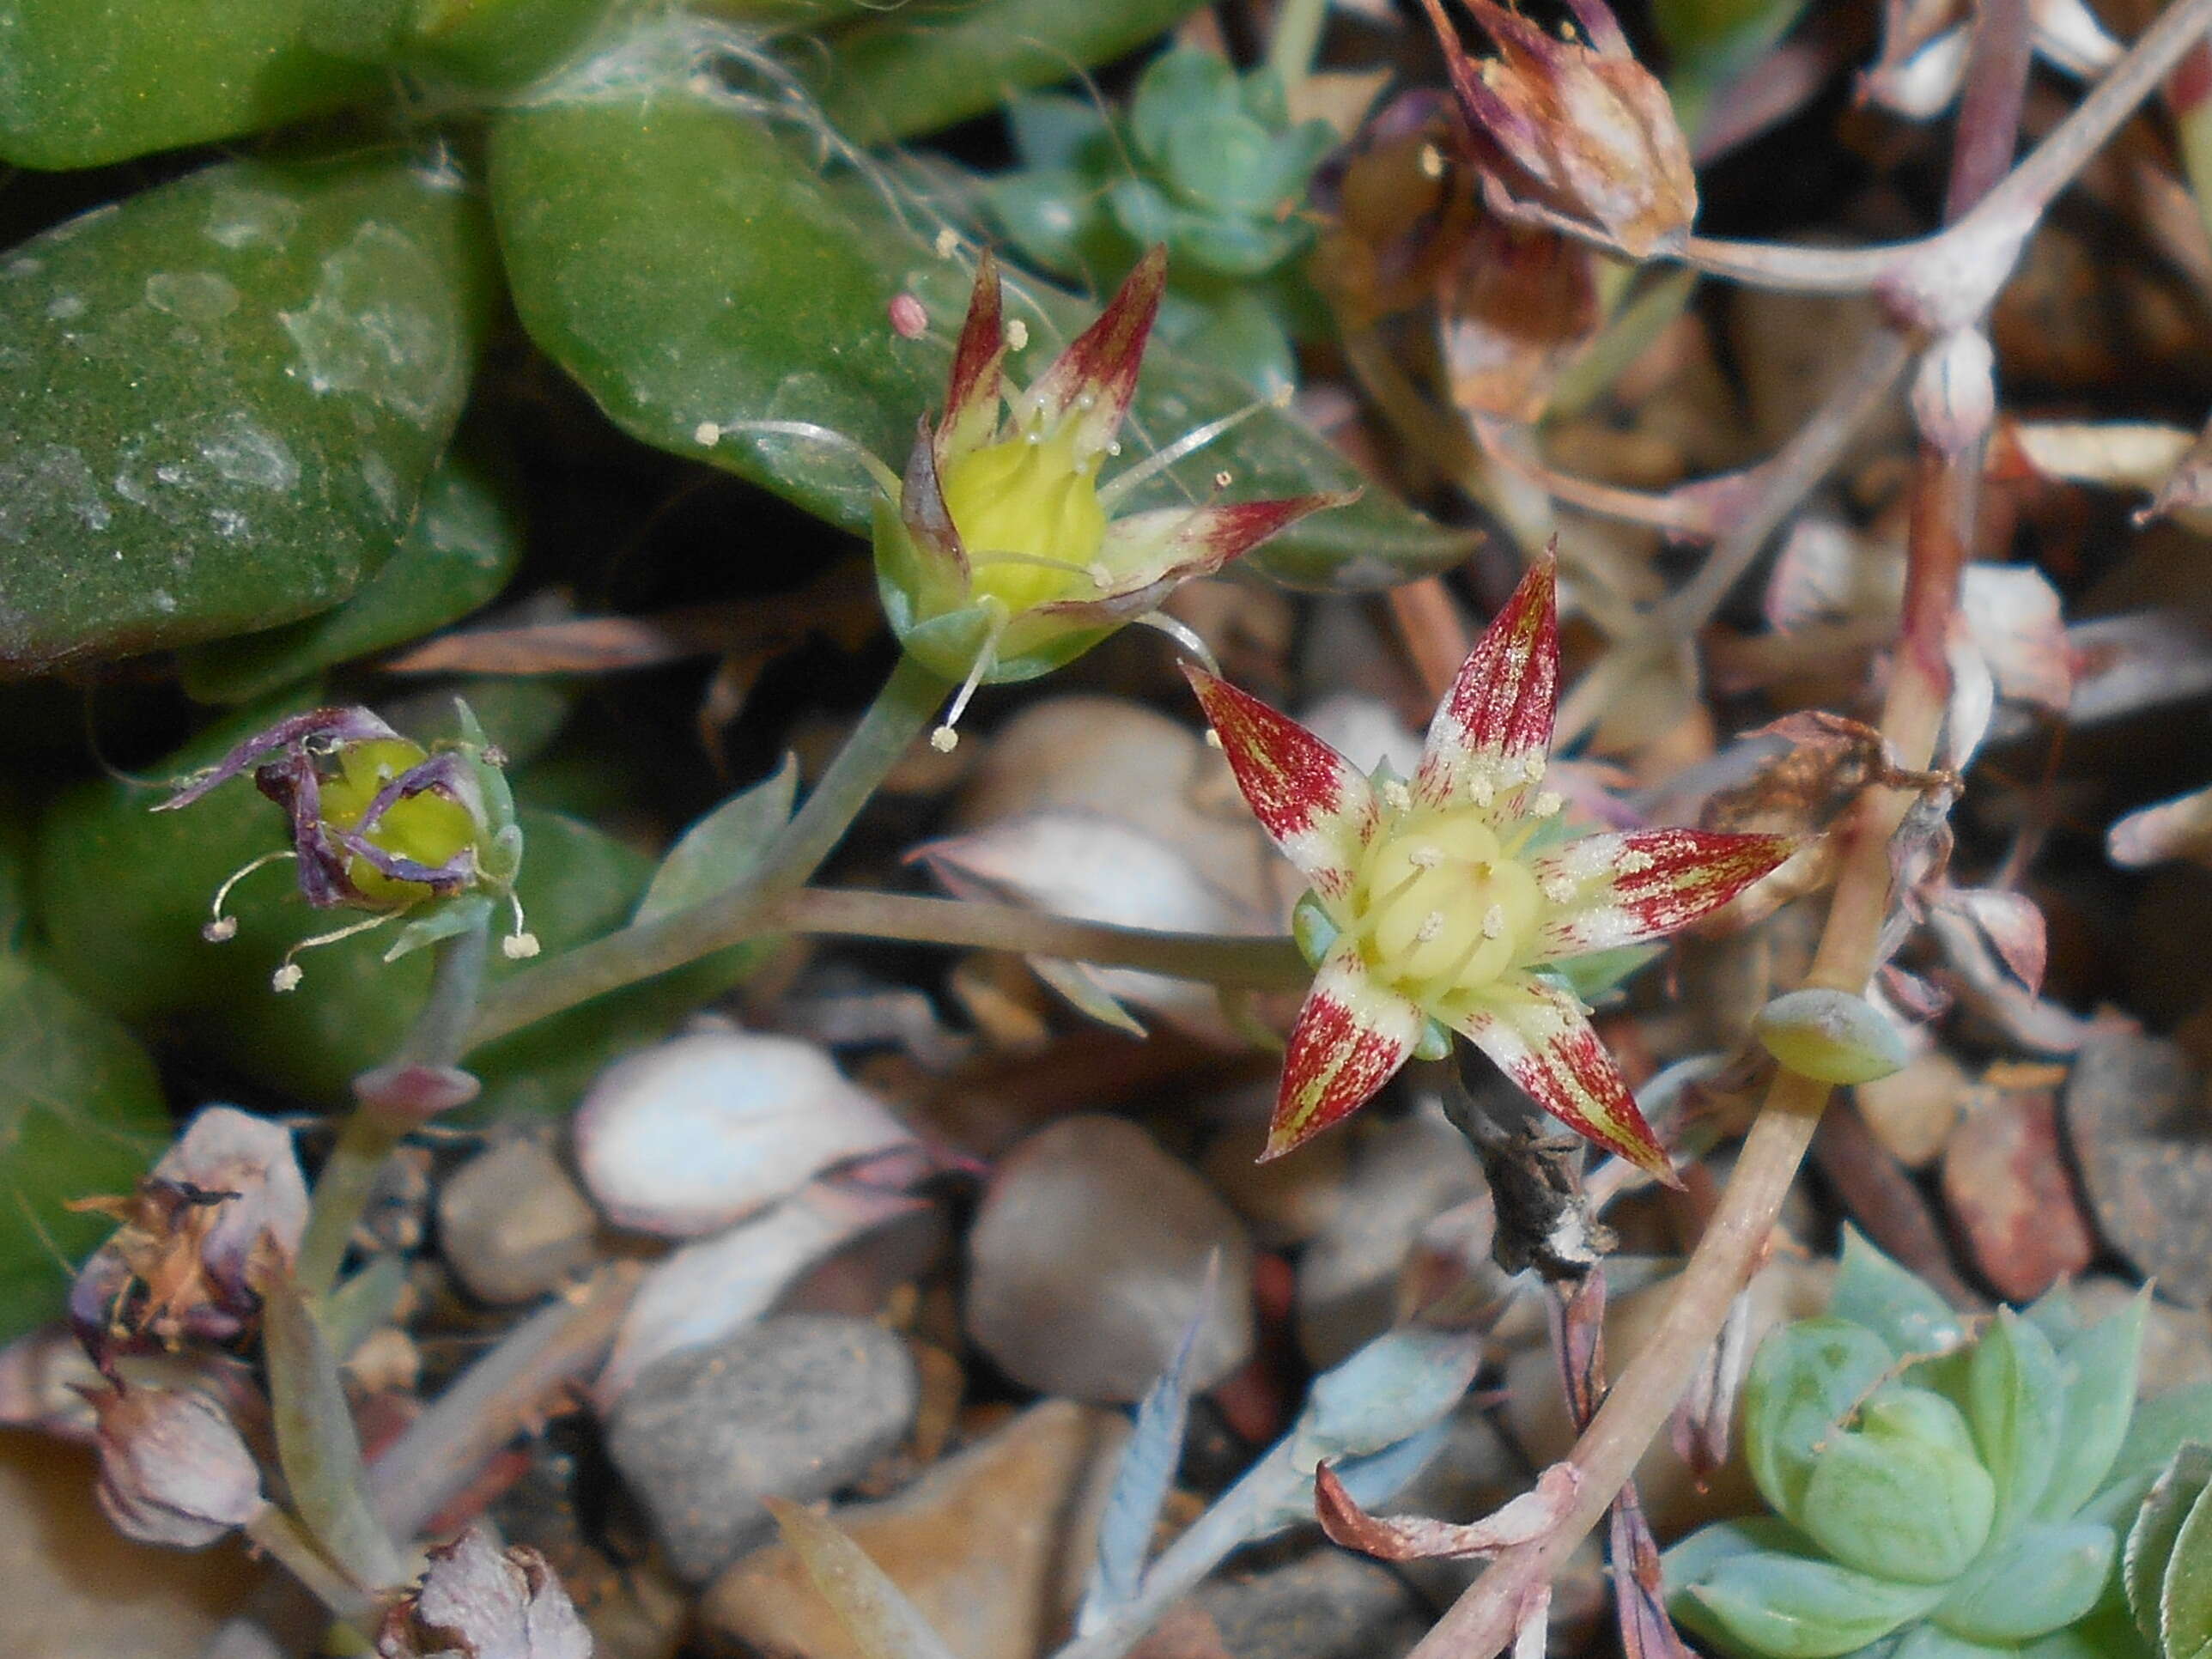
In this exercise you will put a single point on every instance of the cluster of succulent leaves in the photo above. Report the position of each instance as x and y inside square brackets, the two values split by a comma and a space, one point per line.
[1948, 1488]
[1206, 163]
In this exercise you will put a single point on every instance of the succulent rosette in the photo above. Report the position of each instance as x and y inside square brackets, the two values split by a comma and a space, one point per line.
[1451, 902]
[998, 553]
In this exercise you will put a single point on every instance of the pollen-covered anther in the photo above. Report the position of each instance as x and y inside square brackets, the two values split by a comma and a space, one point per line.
[1398, 797]
[945, 740]
[1547, 805]
[518, 947]
[1018, 338]
[1559, 888]
[1424, 858]
[1493, 921]
[287, 977]
[1431, 925]
[1100, 575]
[220, 929]
[1223, 479]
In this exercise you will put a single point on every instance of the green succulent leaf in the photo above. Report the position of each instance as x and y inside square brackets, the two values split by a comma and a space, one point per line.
[457, 554]
[1898, 1506]
[2016, 1400]
[2185, 1596]
[2041, 1578]
[1873, 1291]
[1807, 1377]
[223, 397]
[496, 43]
[87, 85]
[2162, 1425]
[2150, 1543]
[1934, 1642]
[717, 851]
[1794, 1606]
[694, 272]
[2100, 1366]
[926, 64]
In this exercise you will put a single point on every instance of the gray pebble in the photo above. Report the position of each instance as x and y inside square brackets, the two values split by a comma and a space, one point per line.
[794, 1407]
[512, 1225]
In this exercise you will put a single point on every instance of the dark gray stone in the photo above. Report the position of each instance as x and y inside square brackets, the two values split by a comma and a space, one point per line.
[794, 1407]
[1329, 1605]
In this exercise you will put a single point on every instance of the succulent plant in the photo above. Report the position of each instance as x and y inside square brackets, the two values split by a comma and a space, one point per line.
[1207, 163]
[1940, 1488]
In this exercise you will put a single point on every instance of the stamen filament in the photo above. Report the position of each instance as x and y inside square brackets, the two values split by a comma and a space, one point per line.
[886, 480]
[289, 973]
[944, 739]
[1111, 494]
[221, 927]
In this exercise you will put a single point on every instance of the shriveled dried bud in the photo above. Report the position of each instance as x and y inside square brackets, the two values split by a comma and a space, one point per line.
[173, 1469]
[479, 1602]
[227, 1202]
[1574, 128]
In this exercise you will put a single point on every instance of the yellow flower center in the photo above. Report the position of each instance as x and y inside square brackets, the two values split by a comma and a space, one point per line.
[1028, 514]
[1439, 909]
[429, 828]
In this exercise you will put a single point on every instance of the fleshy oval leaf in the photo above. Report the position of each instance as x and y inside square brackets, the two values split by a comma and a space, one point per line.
[1831, 1037]
[1807, 1378]
[2039, 1580]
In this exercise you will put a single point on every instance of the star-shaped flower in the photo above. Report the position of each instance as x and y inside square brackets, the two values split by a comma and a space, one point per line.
[998, 553]
[1450, 901]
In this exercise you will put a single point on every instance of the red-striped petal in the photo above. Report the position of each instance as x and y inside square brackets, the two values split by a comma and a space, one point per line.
[971, 398]
[1496, 718]
[1351, 1038]
[1319, 807]
[1541, 1038]
[1151, 554]
[1608, 890]
[1101, 364]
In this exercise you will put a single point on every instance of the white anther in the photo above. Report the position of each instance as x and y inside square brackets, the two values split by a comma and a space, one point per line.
[1424, 858]
[1396, 796]
[945, 740]
[1558, 888]
[1432, 162]
[706, 434]
[518, 947]
[1222, 480]
[286, 978]
[1431, 925]
[221, 928]
[1493, 921]
[948, 242]
[1017, 334]
[1546, 805]
[1212, 739]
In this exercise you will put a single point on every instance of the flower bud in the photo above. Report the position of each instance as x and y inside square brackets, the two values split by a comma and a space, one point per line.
[173, 1469]
[479, 1602]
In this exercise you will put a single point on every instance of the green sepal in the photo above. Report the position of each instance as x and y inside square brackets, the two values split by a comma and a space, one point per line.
[442, 919]
[1313, 930]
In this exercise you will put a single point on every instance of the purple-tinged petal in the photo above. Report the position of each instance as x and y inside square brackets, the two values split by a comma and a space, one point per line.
[1493, 728]
[1319, 807]
[1604, 891]
[1541, 1038]
[926, 520]
[338, 724]
[971, 398]
[1351, 1038]
[1100, 365]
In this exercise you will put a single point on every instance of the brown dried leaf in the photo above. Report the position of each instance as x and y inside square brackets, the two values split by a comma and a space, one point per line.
[1416, 1538]
[1518, 303]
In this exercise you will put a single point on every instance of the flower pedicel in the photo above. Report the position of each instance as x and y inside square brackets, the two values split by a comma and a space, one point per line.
[1444, 901]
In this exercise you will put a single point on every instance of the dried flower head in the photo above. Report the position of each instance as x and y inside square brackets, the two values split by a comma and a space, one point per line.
[225, 1205]
[173, 1469]
[1450, 901]
[477, 1602]
[998, 554]
[1570, 127]
[380, 824]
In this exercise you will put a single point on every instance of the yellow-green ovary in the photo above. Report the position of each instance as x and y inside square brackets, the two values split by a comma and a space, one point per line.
[1439, 909]
[1033, 499]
